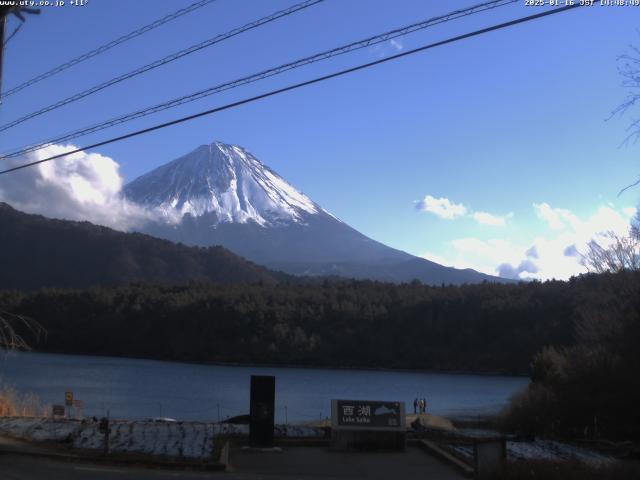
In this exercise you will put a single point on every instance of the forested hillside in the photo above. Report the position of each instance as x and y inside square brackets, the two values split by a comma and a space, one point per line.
[41, 252]
[485, 327]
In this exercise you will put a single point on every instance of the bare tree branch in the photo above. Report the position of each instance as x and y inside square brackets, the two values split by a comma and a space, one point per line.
[11, 324]
[622, 253]
[634, 184]
[629, 70]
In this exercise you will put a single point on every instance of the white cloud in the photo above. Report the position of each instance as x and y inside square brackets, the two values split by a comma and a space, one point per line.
[442, 207]
[556, 218]
[486, 218]
[396, 43]
[81, 186]
[390, 47]
[445, 208]
[482, 255]
[553, 254]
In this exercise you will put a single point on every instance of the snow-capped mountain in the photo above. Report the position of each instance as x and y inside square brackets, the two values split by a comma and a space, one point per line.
[225, 196]
[224, 180]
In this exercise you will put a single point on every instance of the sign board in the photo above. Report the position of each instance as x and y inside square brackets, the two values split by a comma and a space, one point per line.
[367, 415]
[57, 410]
[68, 398]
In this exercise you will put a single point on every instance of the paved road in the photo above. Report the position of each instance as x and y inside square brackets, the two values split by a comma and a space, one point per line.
[22, 467]
[304, 463]
[320, 464]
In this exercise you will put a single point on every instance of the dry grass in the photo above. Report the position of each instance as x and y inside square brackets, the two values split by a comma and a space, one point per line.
[15, 404]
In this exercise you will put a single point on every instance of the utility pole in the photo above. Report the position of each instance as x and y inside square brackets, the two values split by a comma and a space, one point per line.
[4, 13]
[3, 22]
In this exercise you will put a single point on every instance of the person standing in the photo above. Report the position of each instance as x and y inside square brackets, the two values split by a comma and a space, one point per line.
[415, 405]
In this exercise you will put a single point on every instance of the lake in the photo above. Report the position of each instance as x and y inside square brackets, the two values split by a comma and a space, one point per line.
[134, 388]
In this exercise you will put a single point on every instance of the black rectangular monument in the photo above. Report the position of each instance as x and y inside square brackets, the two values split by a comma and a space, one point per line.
[263, 394]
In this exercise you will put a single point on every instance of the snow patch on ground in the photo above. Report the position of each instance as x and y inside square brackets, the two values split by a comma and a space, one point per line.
[38, 429]
[541, 450]
[553, 450]
[194, 440]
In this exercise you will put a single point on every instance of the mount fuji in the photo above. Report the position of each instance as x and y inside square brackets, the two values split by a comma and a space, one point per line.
[223, 195]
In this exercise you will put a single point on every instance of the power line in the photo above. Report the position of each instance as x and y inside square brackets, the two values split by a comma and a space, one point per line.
[108, 46]
[163, 61]
[301, 84]
[367, 42]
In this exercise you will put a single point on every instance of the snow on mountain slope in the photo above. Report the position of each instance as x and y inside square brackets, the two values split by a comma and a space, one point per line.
[227, 181]
[223, 195]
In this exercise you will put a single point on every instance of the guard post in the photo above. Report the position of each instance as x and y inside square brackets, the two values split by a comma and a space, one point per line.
[367, 425]
[105, 429]
[490, 457]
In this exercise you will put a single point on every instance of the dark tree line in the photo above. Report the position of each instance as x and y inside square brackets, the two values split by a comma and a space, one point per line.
[483, 328]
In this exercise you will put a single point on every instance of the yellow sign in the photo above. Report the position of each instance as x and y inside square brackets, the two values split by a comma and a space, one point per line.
[68, 398]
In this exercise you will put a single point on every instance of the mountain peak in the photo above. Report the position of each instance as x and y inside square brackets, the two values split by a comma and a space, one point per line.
[225, 181]
[226, 196]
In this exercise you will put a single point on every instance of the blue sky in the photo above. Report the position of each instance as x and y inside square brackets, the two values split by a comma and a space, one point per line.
[510, 124]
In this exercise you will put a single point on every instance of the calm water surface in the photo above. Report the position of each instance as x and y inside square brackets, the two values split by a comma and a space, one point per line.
[131, 388]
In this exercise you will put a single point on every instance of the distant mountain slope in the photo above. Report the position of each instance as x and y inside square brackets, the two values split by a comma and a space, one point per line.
[227, 197]
[39, 252]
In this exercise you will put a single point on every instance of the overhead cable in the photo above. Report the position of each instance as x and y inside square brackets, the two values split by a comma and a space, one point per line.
[108, 46]
[360, 44]
[299, 85]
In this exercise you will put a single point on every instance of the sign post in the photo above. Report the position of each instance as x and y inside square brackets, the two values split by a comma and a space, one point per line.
[367, 424]
[68, 401]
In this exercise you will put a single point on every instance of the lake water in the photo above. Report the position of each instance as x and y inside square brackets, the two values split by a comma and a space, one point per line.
[132, 388]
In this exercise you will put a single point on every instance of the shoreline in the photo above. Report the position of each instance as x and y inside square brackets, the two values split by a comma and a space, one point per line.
[287, 365]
